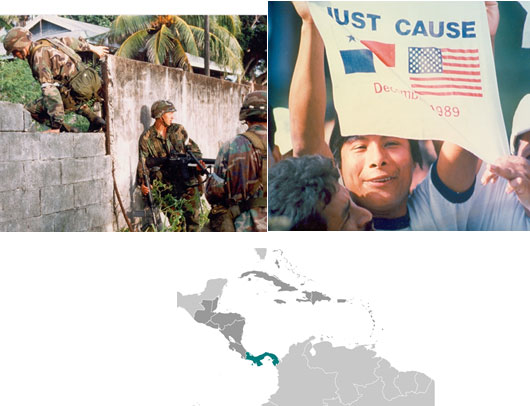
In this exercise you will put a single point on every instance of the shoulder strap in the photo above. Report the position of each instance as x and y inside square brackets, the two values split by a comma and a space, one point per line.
[55, 43]
[257, 143]
[38, 45]
[67, 50]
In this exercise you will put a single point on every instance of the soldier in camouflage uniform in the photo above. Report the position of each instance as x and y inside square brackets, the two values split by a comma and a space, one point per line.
[159, 141]
[56, 65]
[237, 191]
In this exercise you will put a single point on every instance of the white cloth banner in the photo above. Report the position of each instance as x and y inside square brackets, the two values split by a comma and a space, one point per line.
[419, 70]
[525, 43]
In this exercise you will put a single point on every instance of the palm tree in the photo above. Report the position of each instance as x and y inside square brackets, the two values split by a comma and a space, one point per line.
[165, 39]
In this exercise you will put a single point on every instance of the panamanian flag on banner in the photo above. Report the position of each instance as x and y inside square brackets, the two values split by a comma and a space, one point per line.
[419, 70]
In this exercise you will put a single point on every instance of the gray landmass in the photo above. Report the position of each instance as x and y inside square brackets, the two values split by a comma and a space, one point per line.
[234, 333]
[333, 402]
[262, 252]
[231, 325]
[388, 375]
[314, 297]
[202, 308]
[372, 395]
[341, 300]
[300, 385]
[203, 316]
[192, 303]
[424, 383]
[279, 301]
[406, 382]
[275, 281]
[354, 366]
[339, 376]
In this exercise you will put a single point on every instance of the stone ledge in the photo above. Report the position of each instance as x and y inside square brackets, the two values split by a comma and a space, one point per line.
[12, 117]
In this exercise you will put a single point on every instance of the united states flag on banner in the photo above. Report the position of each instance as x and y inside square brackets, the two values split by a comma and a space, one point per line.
[417, 70]
[445, 71]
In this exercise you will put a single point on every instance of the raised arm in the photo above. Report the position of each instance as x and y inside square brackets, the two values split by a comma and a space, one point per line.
[457, 167]
[307, 96]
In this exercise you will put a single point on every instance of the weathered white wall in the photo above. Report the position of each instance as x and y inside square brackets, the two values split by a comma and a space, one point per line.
[207, 107]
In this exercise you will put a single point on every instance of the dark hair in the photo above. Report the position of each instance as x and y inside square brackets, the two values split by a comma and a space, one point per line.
[300, 188]
[337, 141]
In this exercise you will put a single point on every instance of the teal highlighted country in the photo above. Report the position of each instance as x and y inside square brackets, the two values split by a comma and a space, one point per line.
[257, 360]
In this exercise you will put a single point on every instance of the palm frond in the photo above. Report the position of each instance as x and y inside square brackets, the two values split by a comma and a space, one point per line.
[160, 45]
[185, 36]
[5, 22]
[126, 25]
[196, 20]
[231, 23]
[133, 44]
[179, 57]
[224, 48]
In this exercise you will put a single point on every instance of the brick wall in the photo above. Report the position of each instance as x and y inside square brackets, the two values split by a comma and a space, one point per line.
[52, 182]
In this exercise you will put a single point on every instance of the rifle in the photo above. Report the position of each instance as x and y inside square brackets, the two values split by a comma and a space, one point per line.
[179, 164]
[207, 161]
[150, 196]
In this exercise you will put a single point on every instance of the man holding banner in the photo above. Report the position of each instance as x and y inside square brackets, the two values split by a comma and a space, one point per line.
[402, 74]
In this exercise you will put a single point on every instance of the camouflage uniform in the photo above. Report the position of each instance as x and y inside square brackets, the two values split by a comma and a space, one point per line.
[153, 145]
[53, 69]
[238, 168]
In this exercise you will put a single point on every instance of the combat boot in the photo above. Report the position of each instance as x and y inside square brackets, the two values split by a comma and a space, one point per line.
[96, 122]
[65, 128]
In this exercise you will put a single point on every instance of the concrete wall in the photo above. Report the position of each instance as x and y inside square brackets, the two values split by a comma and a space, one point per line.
[207, 107]
[52, 182]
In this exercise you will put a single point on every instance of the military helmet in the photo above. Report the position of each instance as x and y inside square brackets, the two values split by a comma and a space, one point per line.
[254, 107]
[161, 107]
[17, 39]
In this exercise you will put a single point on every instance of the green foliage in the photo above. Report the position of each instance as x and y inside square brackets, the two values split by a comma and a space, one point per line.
[174, 209]
[6, 22]
[165, 39]
[77, 121]
[16, 82]
[203, 216]
[253, 40]
[101, 20]
[17, 85]
[11, 21]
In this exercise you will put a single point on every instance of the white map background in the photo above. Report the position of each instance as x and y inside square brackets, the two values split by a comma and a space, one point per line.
[344, 321]
[99, 324]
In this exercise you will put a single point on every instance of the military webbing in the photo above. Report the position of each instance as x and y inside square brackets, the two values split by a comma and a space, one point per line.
[86, 82]
[258, 143]
[254, 202]
[222, 217]
[61, 47]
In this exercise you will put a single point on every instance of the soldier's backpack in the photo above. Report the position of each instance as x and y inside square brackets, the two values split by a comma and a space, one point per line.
[257, 143]
[221, 217]
[86, 83]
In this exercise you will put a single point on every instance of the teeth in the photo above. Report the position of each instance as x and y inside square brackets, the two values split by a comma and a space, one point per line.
[382, 180]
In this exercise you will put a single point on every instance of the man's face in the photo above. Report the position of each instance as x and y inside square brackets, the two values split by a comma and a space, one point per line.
[378, 171]
[342, 214]
[20, 54]
[524, 146]
[167, 118]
